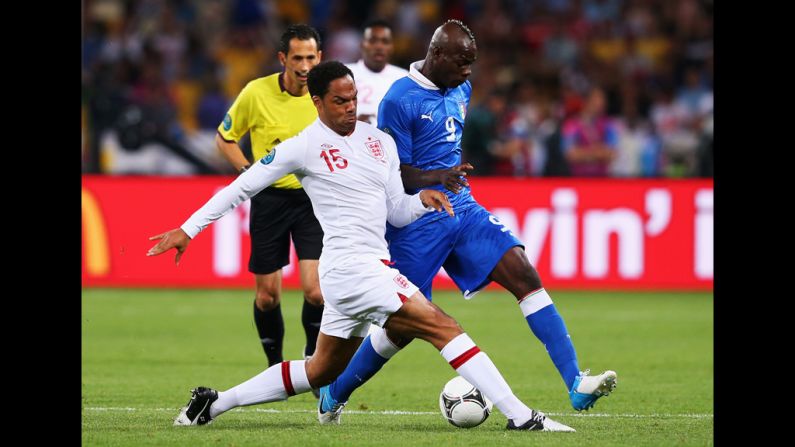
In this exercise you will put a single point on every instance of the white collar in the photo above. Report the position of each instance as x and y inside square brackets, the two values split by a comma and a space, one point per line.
[419, 78]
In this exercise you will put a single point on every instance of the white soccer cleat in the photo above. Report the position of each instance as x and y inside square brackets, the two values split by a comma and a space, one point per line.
[550, 425]
[329, 411]
[539, 422]
[587, 389]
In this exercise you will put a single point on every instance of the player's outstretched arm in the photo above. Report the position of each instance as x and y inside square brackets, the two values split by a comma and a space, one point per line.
[454, 179]
[176, 238]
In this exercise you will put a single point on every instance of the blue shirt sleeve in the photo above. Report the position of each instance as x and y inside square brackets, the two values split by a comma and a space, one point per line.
[393, 119]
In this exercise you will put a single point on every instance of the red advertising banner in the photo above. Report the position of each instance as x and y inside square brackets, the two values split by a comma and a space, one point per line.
[579, 233]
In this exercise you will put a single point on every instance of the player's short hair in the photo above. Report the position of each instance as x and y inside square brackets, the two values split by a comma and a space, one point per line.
[376, 22]
[322, 74]
[463, 27]
[300, 32]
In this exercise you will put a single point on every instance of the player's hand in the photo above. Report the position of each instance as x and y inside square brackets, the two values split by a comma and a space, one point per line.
[175, 238]
[454, 179]
[437, 200]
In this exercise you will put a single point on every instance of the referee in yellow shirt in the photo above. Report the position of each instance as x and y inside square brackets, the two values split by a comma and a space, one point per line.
[275, 108]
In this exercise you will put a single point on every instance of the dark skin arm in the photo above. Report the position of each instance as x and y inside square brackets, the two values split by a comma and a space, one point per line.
[454, 179]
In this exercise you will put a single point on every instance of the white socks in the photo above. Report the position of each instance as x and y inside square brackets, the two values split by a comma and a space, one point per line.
[534, 301]
[382, 345]
[276, 383]
[479, 370]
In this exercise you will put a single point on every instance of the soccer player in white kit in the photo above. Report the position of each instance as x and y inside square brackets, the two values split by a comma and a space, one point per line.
[373, 72]
[350, 170]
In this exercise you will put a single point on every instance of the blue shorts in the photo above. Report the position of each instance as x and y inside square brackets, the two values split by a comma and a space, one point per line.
[468, 245]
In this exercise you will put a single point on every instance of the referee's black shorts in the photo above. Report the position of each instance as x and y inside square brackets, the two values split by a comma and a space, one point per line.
[276, 215]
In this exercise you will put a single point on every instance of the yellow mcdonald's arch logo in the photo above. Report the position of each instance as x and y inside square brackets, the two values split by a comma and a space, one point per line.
[95, 236]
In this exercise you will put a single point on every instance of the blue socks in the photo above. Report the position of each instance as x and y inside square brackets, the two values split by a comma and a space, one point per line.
[364, 364]
[547, 324]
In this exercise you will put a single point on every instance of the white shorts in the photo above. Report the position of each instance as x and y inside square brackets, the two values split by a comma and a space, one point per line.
[361, 293]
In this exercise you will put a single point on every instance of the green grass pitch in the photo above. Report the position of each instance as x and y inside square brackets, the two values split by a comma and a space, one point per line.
[143, 350]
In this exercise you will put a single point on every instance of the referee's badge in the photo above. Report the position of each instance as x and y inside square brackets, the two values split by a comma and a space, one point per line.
[227, 122]
[266, 160]
[375, 149]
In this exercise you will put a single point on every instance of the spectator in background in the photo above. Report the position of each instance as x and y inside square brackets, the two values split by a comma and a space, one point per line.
[590, 139]
[481, 133]
[678, 137]
[566, 43]
[637, 148]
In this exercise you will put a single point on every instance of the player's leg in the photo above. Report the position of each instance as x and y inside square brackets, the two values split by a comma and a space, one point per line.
[268, 315]
[276, 383]
[486, 250]
[517, 275]
[420, 318]
[312, 310]
[307, 237]
[269, 227]
[417, 251]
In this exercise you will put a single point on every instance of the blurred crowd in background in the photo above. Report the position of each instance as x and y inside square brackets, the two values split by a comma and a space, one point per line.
[556, 83]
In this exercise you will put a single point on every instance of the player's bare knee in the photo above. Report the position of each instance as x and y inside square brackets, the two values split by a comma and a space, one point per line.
[266, 300]
[313, 296]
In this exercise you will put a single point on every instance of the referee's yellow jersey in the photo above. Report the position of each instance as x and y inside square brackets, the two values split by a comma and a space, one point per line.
[272, 115]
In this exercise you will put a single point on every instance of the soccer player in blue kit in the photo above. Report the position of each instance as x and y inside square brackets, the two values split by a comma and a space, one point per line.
[424, 113]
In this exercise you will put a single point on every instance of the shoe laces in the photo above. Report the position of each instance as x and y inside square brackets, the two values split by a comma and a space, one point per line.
[337, 408]
[538, 416]
[585, 373]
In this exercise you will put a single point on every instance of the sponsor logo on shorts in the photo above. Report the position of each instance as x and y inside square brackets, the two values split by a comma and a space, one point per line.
[402, 281]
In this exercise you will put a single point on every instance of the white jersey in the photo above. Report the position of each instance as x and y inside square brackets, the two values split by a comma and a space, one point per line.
[353, 182]
[373, 86]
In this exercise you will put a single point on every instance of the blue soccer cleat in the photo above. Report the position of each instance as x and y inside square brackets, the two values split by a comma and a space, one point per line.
[587, 389]
[328, 409]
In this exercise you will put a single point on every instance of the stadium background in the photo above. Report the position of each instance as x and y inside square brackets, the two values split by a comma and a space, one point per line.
[157, 78]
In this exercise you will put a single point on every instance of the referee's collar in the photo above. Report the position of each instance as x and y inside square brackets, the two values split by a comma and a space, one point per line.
[419, 78]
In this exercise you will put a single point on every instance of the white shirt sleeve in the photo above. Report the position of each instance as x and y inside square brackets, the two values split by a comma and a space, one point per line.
[402, 209]
[285, 158]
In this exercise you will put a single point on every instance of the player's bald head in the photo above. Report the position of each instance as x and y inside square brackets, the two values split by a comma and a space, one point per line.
[451, 53]
[452, 36]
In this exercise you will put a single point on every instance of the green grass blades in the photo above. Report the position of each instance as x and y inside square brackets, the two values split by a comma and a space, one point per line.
[143, 350]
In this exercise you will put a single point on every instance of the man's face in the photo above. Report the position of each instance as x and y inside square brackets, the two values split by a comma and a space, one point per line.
[300, 58]
[338, 105]
[597, 102]
[454, 63]
[377, 47]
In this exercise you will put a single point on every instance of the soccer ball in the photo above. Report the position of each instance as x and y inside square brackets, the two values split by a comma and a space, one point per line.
[463, 405]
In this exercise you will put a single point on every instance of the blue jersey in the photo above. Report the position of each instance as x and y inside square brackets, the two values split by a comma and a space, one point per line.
[427, 123]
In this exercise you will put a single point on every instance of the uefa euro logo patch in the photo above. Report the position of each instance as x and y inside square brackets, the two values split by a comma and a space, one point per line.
[266, 160]
[227, 122]
[375, 149]
[462, 107]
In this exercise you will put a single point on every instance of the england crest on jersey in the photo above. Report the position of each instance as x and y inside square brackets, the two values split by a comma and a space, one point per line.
[375, 149]
[462, 107]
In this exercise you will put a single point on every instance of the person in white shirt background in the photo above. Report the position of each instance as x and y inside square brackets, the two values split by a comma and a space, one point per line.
[350, 170]
[373, 72]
